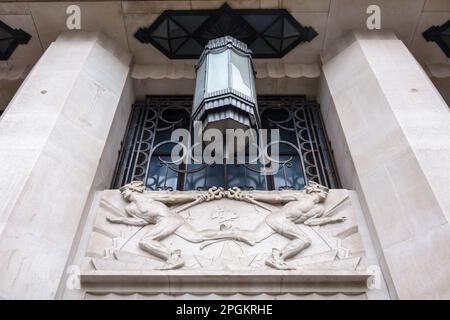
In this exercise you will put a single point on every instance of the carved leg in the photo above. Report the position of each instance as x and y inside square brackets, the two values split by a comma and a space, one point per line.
[173, 258]
[251, 237]
[275, 261]
[232, 234]
[189, 233]
[155, 248]
[150, 243]
[294, 247]
[300, 241]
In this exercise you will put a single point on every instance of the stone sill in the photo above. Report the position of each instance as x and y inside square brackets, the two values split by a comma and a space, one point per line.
[220, 282]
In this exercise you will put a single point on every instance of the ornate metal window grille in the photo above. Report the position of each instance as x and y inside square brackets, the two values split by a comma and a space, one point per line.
[304, 150]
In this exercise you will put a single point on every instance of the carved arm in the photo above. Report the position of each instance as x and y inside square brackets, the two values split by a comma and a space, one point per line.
[173, 198]
[314, 221]
[280, 197]
[127, 220]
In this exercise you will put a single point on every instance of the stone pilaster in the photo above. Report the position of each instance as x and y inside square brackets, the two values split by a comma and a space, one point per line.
[59, 138]
[390, 130]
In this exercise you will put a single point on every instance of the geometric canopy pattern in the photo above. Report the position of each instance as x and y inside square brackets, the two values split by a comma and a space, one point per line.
[440, 35]
[9, 40]
[182, 34]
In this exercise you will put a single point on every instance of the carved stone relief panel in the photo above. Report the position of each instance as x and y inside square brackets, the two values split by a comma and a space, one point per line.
[225, 241]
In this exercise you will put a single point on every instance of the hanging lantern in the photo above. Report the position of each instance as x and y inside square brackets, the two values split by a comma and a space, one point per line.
[225, 93]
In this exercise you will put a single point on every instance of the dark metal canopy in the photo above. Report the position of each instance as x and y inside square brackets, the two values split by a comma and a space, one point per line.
[182, 34]
[9, 40]
[440, 35]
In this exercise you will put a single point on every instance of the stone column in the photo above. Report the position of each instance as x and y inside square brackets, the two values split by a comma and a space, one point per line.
[59, 139]
[390, 130]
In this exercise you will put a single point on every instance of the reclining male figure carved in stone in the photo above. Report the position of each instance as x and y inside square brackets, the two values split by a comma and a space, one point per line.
[151, 209]
[306, 208]
[145, 209]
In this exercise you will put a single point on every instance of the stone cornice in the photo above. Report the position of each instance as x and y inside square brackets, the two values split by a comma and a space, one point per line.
[263, 70]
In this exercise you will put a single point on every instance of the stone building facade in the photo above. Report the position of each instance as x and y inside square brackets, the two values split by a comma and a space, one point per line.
[375, 102]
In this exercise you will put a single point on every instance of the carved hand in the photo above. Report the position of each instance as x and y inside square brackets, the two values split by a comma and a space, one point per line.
[236, 194]
[214, 193]
[339, 219]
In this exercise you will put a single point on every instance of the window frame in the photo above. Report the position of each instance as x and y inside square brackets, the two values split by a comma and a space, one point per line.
[322, 154]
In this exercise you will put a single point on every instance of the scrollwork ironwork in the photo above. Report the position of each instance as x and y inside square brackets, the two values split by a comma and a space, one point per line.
[304, 150]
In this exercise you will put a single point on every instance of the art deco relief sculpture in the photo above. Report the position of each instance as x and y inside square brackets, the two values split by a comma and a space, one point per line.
[142, 211]
[306, 209]
[224, 241]
[297, 208]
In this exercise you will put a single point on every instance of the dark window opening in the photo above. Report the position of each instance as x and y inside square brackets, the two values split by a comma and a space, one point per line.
[303, 148]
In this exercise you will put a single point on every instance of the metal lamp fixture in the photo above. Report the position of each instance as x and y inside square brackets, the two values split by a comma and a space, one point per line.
[225, 93]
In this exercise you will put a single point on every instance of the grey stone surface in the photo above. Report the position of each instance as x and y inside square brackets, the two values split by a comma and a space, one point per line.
[52, 149]
[390, 130]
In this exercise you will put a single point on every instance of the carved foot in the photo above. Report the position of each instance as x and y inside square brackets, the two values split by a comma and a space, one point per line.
[174, 262]
[276, 261]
